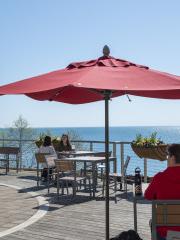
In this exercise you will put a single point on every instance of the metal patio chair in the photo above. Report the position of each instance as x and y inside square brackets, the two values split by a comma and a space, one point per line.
[118, 178]
[166, 213]
[99, 167]
[66, 174]
[48, 160]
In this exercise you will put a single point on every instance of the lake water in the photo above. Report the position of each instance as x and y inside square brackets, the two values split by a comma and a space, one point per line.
[167, 134]
[125, 134]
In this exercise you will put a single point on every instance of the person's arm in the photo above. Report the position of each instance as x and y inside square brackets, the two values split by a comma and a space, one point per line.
[40, 150]
[70, 147]
[152, 189]
[60, 148]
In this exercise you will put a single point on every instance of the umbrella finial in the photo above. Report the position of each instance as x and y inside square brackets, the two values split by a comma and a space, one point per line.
[106, 51]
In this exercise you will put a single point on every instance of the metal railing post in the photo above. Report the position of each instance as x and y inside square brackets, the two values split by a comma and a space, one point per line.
[114, 155]
[145, 170]
[3, 141]
[91, 146]
[20, 154]
[122, 158]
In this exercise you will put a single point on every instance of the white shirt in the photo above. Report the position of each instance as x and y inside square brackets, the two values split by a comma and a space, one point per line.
[49, 150]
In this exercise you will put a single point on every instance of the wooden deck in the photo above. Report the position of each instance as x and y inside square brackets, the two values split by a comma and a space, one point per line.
[79, 218]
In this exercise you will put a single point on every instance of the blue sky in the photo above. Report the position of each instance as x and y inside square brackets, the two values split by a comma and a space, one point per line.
[45, 35]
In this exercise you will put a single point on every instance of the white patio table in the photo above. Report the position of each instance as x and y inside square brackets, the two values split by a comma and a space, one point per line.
[94, 160]
[78, 153]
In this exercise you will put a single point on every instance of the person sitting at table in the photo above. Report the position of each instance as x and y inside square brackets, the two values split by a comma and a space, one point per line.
[65, 144]
[47, 148]
[127, 235]
[166, 185]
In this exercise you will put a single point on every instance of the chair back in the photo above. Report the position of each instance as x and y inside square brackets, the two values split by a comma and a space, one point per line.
[40, 157]
[64, 165]
[128, 158]
[50, 160]
[165, 213]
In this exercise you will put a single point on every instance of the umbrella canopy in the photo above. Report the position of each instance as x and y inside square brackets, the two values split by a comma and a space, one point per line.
[94, 80]
[84, 82]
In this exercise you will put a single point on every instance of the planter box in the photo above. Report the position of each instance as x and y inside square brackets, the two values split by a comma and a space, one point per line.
[153, 152]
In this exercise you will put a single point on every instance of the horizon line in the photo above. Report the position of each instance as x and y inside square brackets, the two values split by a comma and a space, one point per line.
[101, 126]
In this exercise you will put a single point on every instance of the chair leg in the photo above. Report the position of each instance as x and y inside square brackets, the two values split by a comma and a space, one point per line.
[48, 180]
[8, 162]
[74, 188]
[103, 186]
[96, 176]
[6, 165]
[101, 174]
[37, 175]
[57, 185]
[67, 189]
[90, 187]
[124, 183]
[6, 168]
[125, 187]
[115, 189]
[62, 186]
[120, 186]
[17, 165]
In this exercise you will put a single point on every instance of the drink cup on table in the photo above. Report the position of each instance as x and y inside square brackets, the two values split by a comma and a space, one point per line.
[73, 148]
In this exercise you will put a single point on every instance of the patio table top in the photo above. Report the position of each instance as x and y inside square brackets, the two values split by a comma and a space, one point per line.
[79, 153]
[88, 159]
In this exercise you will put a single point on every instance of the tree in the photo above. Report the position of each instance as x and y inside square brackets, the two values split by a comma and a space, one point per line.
[23, 134]
[20, 129]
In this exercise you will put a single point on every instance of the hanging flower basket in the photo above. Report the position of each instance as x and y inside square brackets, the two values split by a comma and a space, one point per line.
[152, 152]
[55, 143]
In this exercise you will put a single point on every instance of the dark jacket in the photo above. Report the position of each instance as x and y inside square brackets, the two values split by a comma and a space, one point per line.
[63, 148]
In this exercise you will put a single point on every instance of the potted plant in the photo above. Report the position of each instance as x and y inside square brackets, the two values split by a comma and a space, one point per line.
[55, 143]
[40, 140]
[149, 147]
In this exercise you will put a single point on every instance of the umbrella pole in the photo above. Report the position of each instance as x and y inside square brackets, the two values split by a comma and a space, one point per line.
[107, 95]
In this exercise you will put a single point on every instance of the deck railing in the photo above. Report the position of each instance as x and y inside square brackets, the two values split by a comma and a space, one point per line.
[119, 150]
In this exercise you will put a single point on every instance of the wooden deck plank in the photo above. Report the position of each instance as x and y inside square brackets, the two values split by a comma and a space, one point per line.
[78, 219]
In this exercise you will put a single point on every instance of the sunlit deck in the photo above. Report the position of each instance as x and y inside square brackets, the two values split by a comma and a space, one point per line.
[79, 218]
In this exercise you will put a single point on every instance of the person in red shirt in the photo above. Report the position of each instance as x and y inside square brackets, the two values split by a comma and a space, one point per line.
[166, 185]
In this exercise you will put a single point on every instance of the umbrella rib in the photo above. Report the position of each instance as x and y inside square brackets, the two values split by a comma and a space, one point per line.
[100, 92]
[58, 93]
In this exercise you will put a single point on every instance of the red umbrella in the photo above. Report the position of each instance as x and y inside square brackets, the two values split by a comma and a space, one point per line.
[94, 80]
[85, 82]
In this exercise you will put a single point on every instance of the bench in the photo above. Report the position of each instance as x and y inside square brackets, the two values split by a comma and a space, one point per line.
[9, 154]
